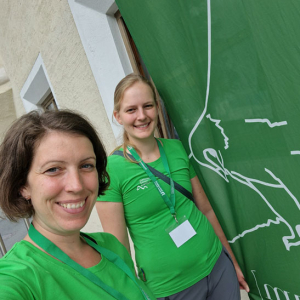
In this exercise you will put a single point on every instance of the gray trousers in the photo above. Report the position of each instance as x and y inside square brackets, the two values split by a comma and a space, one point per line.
[220, 284]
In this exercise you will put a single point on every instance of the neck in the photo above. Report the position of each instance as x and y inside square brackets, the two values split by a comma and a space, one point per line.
[72, 245]
[67, 243]
[148, 149]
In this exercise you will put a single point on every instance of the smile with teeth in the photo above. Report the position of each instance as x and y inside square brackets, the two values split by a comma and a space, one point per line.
[72, 205]
[142, 126]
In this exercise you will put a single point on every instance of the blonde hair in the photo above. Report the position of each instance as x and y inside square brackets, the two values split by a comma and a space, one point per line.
[122, 86]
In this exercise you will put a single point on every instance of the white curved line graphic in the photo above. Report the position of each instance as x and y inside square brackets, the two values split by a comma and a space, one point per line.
[253, 271]
[208, 82]
[295, 152]
[269, 222]
[266, 121]
[213, 160]
[217, 122]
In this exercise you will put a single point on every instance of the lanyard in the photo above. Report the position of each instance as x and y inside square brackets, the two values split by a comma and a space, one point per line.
[52, 249]
[170, 202]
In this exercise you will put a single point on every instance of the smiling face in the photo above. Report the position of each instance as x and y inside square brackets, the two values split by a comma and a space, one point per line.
[62, 182]
[138, 112]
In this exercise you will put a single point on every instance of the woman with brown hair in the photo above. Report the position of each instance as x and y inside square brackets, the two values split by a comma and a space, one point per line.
[52, 168]
[181, 250]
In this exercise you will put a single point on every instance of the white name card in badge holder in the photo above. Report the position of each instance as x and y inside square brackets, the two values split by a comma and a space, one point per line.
[181, 232]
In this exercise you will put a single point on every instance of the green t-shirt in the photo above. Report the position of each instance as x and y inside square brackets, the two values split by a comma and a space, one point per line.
[28, 273]
[168, 269]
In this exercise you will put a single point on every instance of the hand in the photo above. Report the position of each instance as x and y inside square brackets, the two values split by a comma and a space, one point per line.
[241, 279]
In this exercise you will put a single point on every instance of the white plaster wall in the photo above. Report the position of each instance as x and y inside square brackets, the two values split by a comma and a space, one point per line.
[7, 112]
[28, 28]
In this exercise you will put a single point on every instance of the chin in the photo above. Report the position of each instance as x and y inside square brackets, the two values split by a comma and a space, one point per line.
[74, 226]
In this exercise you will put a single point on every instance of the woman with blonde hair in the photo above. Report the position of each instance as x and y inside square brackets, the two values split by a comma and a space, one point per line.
[178, 242]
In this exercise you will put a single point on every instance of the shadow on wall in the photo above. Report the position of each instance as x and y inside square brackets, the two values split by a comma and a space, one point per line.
[8, 111]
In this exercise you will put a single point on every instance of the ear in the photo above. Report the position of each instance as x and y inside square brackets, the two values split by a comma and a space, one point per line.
[24, 191]
[117, 117]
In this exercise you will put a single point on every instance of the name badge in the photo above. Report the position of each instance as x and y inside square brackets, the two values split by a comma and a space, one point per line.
[183, 232]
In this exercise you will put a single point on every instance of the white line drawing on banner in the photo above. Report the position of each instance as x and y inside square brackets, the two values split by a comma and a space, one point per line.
[215, 162]
[253, 271]
[277, 222]
[217, 122]
[295, 152]
[268, 288]
[217, 165]
[279, 219]
[266, 121]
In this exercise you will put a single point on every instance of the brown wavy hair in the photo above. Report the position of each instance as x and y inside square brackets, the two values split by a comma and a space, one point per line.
[18, 148]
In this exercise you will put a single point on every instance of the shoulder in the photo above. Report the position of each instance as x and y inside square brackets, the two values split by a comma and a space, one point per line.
[19, 272]
[18, 251]
[120, 168]
[116, 166]
[110, 242]
[103, 238]
[172, 145]
[107, 240]
[117, 159]
[25, 256]
[171, 142]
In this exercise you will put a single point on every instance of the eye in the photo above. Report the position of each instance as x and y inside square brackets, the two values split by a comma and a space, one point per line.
[88, 166]
[52, 170]
[149, 105]
[130, 110]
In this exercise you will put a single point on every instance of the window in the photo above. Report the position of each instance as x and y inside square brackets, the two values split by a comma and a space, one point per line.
[37, 91]
[49, 103]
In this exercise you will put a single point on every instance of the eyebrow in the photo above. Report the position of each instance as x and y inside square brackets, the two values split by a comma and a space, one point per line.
[91, 157]
[134, 105]
[62, 161]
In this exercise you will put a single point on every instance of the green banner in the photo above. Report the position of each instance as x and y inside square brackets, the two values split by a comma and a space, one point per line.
[229, 74]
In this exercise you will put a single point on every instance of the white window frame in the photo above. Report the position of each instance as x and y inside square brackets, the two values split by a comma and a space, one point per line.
[37, 86]
[104, 48]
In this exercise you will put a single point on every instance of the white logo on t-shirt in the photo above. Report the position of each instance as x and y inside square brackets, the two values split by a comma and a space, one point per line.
[143, 183]
[141, 187]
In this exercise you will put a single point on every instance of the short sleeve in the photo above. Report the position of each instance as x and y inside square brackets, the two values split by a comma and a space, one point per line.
[113, 193]
[12, 288]
[192, 170]
[110, 242]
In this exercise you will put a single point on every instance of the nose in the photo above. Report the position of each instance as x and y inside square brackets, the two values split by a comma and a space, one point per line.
[73, 181]
[141, 114]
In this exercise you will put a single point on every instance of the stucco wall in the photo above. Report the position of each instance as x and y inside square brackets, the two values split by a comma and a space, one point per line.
[7, 112]
[28, 28]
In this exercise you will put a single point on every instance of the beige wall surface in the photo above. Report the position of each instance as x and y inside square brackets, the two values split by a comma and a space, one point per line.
[7, 108]
[28, 28]
[7, 112]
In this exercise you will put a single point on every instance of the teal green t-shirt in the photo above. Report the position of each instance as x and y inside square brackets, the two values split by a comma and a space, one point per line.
[168, 269]
[28, 273]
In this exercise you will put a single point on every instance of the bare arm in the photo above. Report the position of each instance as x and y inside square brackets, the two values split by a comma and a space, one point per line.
[204, 206]
[112, 218]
